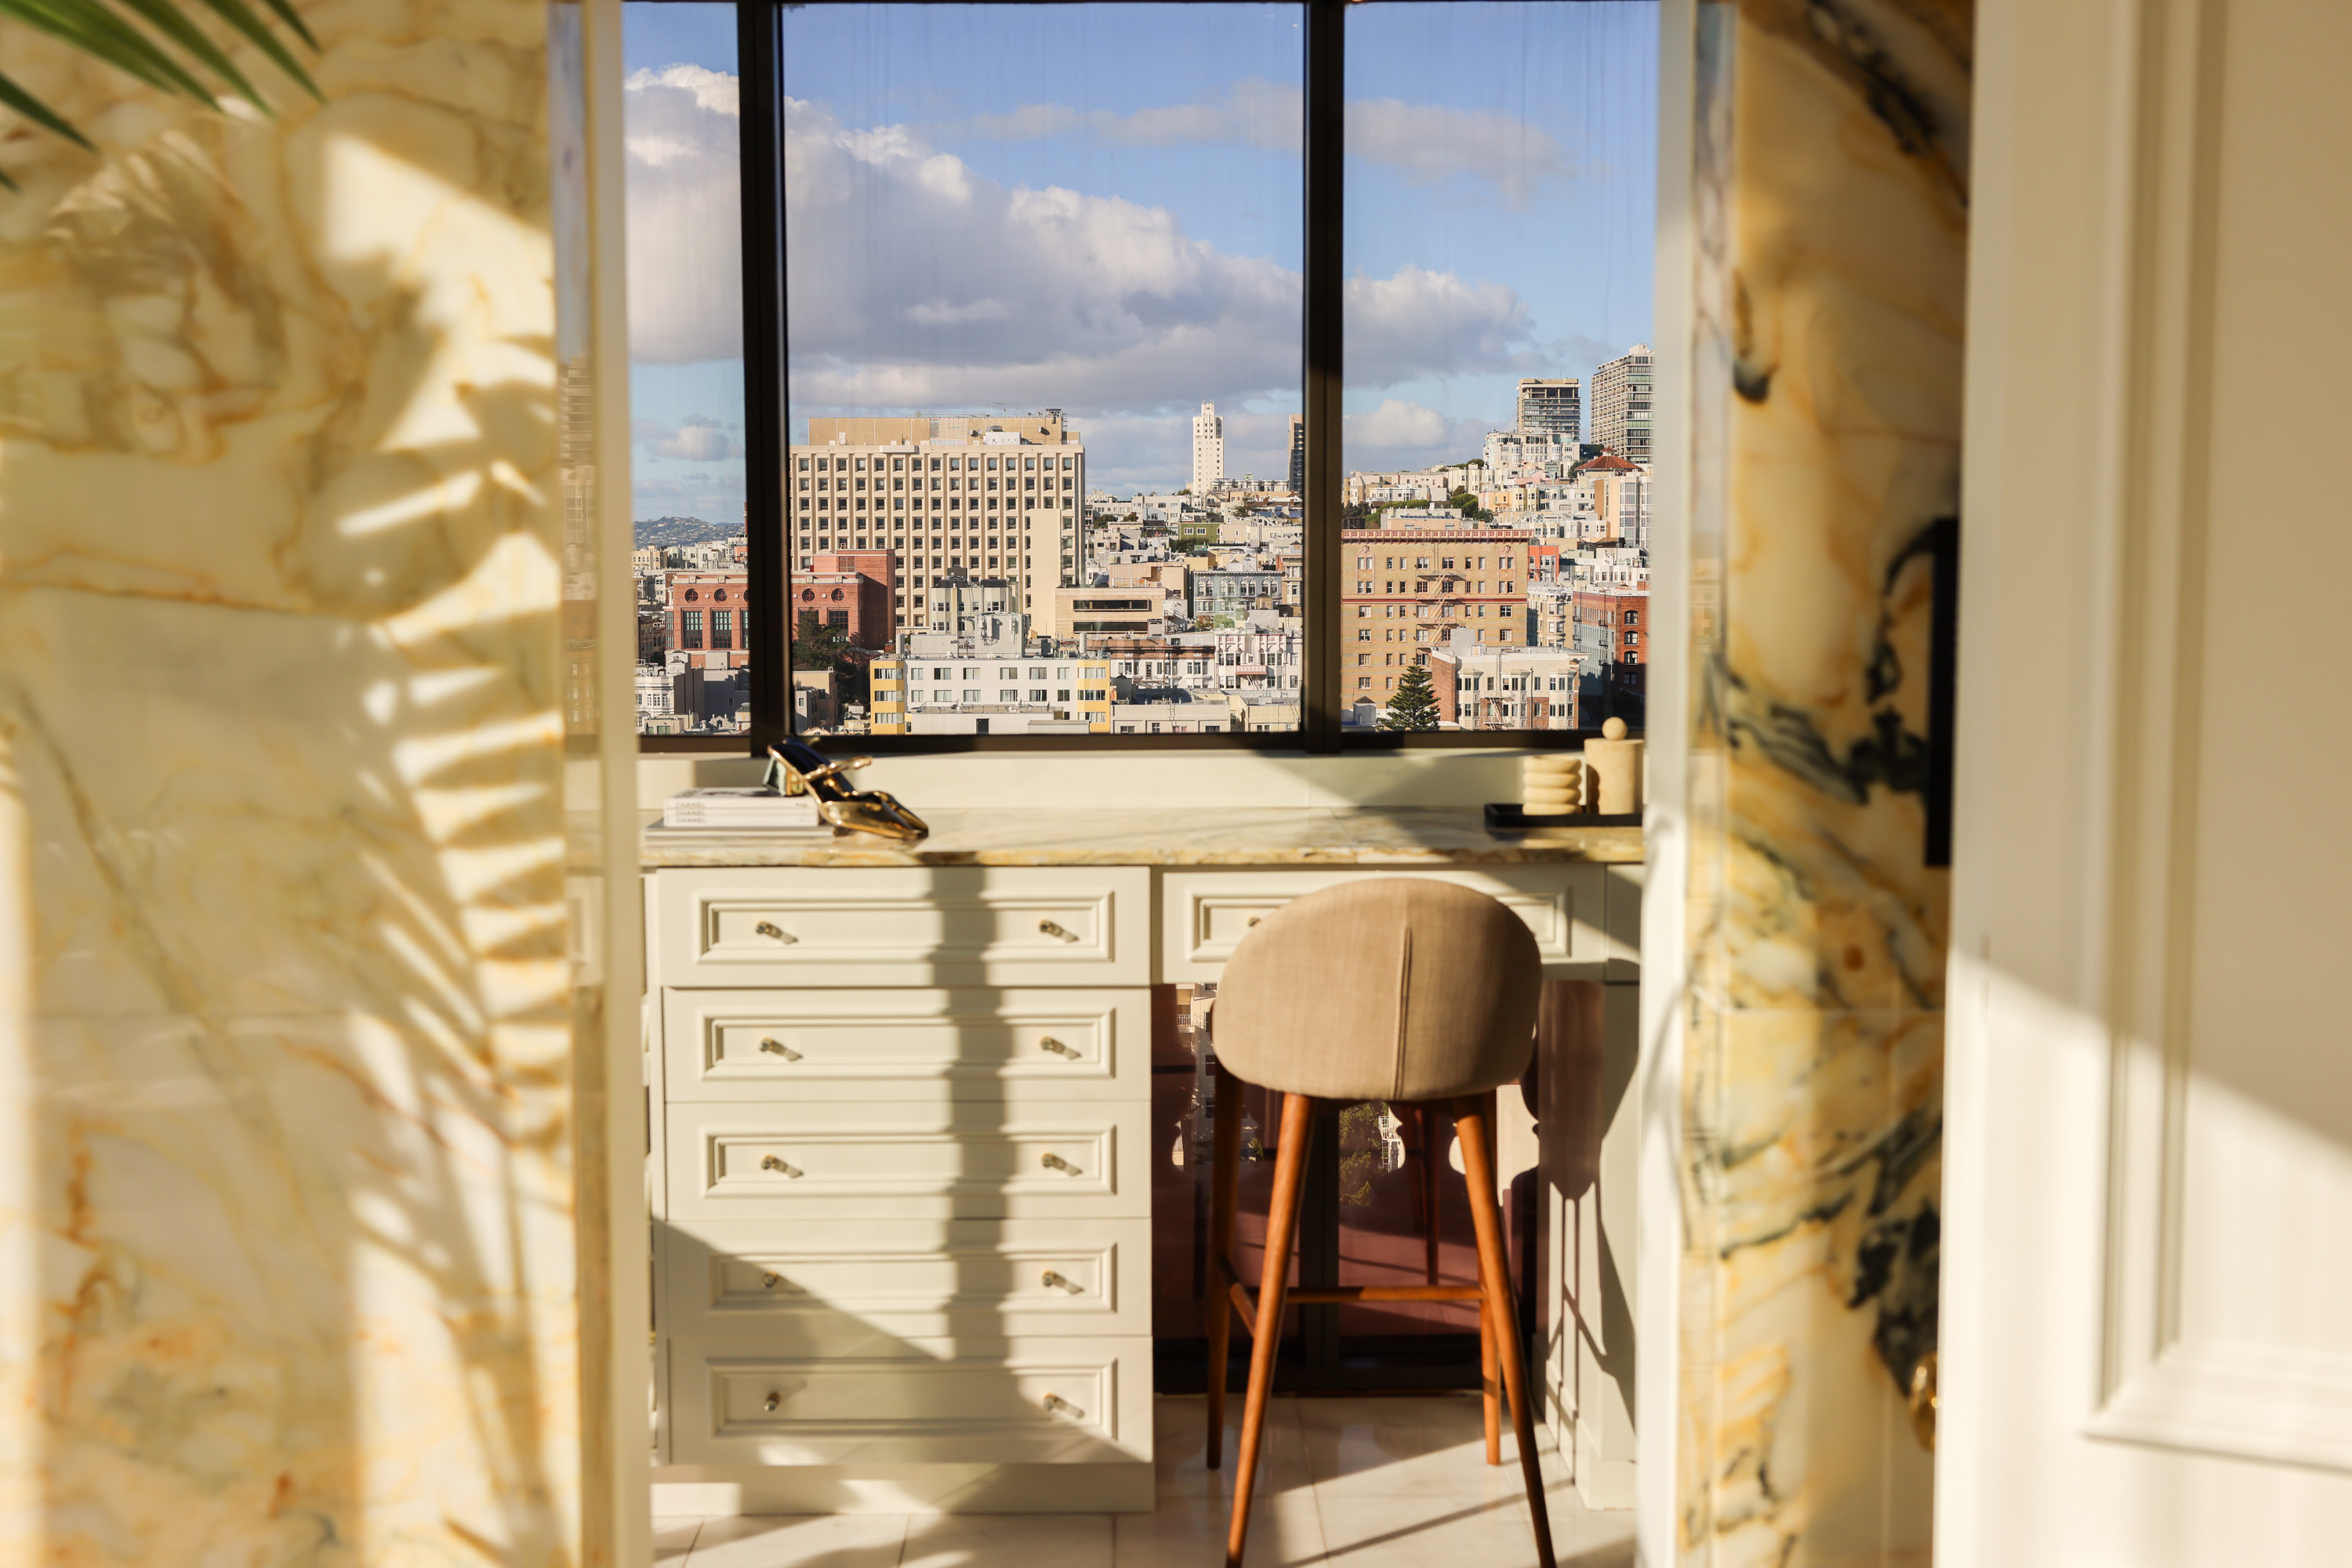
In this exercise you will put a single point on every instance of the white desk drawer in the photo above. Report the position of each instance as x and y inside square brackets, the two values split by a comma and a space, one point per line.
[1062, 1400]
[913, 1042]
[1207, 912]
[887, 925]
[861, 1286]
[902, 1159]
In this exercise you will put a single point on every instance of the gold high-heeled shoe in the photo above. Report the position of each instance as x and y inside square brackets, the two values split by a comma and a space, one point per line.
[875, 811]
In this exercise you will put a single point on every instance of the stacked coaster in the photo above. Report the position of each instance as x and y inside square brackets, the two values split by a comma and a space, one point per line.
[1552, 784]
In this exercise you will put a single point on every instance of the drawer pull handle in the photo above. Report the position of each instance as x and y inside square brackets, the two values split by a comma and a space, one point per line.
[770, 1282]
[778, 1048]
[1057, 1406]
[1056, 1163]
[1057, 930]
[770, 929]
[774, 1402]
[1063, 1282]
[1059, 1049]
[776, 1162]
[1254, 919]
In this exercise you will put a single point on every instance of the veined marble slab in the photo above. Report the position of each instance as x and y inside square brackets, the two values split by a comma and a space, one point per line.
[1277, 836]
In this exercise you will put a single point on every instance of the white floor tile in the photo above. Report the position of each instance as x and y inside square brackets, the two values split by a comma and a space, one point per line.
[1008, 1540]
[1433, 1447]
[795, 1541]
[1363, 1532]
[1285, 1532]
[1181, 1448]
[673, 1539]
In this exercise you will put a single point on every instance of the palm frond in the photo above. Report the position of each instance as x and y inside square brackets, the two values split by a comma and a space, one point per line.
[97, 30]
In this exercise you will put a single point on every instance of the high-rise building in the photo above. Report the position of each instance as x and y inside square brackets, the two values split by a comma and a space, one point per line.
[1208, 450]
[1299, 453]
[949, 497]
[1621, 404]
[1553, 408]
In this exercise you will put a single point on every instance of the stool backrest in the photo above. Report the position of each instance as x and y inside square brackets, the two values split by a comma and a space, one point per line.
[1381, 988]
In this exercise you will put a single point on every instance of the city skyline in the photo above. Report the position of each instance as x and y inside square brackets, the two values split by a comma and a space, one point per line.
[1462, 185]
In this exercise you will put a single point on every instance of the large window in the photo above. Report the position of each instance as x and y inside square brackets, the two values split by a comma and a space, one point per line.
[1040, 439]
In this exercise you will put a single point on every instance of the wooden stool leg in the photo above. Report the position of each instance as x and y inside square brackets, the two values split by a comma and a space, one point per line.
[1473, 1118]
[1217, 1306]
[1281, 1230]
[1490, 1391]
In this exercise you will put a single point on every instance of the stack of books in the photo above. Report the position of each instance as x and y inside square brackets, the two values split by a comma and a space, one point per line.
[740, 809]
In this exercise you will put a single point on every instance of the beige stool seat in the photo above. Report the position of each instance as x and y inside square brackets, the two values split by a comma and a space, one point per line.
[1421, 994]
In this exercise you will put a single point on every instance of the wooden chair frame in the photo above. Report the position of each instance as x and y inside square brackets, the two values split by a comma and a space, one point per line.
[1260, 1311]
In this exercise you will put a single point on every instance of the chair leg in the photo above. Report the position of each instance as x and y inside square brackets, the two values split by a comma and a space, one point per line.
[1217, 1307]
[1475, 1119]
[1489, 1382]
[1281, 1230]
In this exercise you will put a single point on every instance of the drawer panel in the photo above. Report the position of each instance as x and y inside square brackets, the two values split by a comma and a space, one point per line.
[888, 925]
[901, 1160]
[858, 1286]
[835, 1045]
[1208, 912]
[1066, 1401]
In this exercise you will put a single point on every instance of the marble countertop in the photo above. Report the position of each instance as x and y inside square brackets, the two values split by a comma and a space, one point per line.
[1399, 836]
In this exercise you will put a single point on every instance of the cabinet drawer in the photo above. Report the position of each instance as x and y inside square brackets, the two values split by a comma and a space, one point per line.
[916, 1042]
[860, 1287]
[1063, 1401]
[1209, 911]
[949, 925]
[902, 1159]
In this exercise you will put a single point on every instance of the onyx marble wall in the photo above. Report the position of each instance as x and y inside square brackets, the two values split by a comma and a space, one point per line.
[286, 1189]
[1830, 207]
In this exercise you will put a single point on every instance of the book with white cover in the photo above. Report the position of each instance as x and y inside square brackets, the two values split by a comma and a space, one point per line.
[739, 807]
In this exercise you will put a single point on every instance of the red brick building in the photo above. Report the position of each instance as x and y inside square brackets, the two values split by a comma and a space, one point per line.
[1405, 590]
[852, 591]
[707, 617]
[1612, 633]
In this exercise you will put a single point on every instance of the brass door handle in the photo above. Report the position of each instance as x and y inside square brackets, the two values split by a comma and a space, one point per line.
[1922, 1401]
[770, 1282]
[1055, 1045]
[776, 1162]
[1054, 1281]
[1055, 1405]
[770, 929]
[772, 1403]
[1056, 1163]
[1054, 929]
[778, 1048]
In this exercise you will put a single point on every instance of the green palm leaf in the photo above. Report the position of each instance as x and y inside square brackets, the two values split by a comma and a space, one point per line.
[97, 30]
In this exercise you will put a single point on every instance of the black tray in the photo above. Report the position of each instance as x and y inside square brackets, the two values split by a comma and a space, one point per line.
[1509, 816]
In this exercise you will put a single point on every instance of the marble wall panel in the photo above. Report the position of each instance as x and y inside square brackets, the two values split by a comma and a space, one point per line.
[286, 1235]
[1831, 223]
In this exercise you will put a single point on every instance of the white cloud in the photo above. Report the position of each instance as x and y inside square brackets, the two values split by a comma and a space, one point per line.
[1478, 152]
[685, 230]
[1403, 435]
[698, 440]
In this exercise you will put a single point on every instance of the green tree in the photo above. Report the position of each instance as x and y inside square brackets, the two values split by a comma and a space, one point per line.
[1415, 706]
[93, 29]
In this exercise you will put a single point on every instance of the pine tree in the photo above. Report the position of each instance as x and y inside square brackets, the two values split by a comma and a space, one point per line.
[1415, 706]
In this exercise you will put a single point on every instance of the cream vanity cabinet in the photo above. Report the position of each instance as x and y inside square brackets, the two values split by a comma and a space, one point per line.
[901, 1173]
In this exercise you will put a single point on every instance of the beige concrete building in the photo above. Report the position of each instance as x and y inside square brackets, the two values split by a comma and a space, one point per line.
[1553, 409]
[1140, 610]
[1621, 404]
[971, 496]
[1207, 450]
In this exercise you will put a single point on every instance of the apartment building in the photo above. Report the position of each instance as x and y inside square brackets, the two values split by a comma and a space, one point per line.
[1621, 498]
[1551, 408]
[1207, 450]
[1298, 454]
[852, 592]
[1140, 610]
[1405, 590]
[945, 496]
[951, 687]
[1612, 636]
[1500, 688]
[1621, 404]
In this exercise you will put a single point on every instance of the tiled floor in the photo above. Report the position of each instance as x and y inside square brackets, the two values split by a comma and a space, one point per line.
[1357, 1483]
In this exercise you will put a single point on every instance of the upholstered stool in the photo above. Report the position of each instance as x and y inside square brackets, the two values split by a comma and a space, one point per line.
[1421, 993]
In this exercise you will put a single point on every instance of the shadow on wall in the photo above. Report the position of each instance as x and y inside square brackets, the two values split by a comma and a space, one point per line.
[290, 1236]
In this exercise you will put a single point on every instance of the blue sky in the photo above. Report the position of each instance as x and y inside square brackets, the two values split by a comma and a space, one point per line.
[1096, 207]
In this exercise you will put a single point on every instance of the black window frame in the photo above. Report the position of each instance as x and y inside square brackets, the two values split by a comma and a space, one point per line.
[758, 27]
